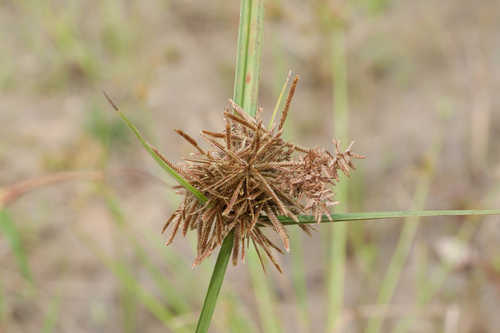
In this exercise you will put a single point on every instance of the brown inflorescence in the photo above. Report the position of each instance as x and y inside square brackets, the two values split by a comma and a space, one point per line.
[250, 177]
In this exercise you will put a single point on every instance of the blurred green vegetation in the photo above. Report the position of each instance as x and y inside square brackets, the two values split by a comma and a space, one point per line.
[54, 49]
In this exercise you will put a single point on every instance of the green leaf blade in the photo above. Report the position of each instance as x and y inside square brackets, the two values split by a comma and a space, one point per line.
[346, 217]
[158, 158]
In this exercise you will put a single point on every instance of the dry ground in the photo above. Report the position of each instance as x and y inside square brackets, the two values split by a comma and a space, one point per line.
[421, 74]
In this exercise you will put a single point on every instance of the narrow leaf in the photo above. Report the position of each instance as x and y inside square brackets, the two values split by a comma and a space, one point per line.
[151, 150]
[280, 97]
[344, 217]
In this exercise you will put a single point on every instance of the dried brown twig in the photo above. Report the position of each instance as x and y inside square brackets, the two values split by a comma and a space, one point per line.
[13, 192]
[251, 170]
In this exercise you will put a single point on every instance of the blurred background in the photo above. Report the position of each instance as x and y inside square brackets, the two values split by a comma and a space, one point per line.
[413, 82]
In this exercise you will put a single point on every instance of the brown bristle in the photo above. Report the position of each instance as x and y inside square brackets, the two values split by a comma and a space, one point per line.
[284, 114]
[190, 140]
[250, 170]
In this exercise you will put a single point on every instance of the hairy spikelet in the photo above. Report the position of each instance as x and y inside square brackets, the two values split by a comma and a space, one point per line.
[251, 175]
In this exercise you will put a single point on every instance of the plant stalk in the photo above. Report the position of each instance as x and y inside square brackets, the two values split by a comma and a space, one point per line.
[337, 246]
[215, 284]
[246, 88]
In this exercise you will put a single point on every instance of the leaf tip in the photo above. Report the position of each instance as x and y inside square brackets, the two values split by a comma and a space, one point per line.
[110, 101]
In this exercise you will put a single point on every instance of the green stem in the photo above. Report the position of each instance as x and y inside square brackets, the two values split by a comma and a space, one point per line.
[215, 284]
[246, 86]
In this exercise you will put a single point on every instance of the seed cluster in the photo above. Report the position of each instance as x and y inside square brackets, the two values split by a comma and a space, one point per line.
[250, 178]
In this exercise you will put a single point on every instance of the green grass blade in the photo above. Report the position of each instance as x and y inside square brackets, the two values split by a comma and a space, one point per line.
[13, 236]
[215, 285]
[200, 196]
[337, 246]
[346, 217]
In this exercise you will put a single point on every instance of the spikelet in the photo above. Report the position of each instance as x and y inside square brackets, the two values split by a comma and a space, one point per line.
[249, 172]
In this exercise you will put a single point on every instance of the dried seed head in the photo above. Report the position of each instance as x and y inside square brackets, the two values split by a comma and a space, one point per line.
[250, 171]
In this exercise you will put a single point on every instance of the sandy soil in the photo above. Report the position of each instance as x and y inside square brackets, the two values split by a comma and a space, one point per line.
[421, 74]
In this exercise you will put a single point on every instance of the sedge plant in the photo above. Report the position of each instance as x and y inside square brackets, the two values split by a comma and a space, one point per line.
[263, 184]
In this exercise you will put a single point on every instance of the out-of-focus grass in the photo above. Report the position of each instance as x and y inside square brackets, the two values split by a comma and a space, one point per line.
[235, 320]
[6, 70]
[298, 268]
[406, 239]
[266, 304]
[59, 22]
[299, 277]
[3, 306]
[116, 36]
[69, 49]
[374, 6]
[365, 251]
[52, 315]
[111, 133]
[332, 24]
[170, 292]
[429, 288]
[337, 248]
[127, 278]
[10, 231]
[189, 289]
